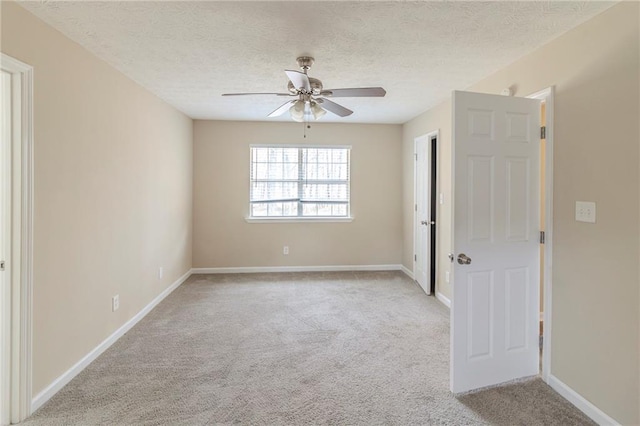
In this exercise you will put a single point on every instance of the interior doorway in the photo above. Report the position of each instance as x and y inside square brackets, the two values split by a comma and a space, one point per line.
[486, 149]
[425, 211]
[433, 191]
[495, 309]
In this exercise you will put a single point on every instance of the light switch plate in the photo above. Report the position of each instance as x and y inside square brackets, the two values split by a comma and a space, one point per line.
[586, 211]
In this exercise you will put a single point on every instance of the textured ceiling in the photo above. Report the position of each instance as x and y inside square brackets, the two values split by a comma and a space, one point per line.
[189, 53]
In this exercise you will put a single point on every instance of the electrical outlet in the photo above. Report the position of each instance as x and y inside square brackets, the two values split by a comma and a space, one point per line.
[285, 250]
[160, 272]
[115, 303]
[586, 211]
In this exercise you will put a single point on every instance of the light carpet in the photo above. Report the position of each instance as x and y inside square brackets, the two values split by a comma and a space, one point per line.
[292, 349]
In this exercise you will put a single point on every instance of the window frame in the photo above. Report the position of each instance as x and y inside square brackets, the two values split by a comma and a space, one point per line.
[284, 219]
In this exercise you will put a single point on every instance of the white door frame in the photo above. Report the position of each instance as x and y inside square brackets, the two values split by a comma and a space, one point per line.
[22, 237]
[428, 137]
[547, 95]
[5, 256]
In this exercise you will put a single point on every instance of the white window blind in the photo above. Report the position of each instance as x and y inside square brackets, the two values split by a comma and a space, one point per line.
[289, 181]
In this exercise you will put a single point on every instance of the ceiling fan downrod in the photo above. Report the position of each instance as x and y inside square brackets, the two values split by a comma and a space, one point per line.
[305, 63]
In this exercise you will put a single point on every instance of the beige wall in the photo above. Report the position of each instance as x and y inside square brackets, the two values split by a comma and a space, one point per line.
[595, 337]
[113, 167]
[222, 237]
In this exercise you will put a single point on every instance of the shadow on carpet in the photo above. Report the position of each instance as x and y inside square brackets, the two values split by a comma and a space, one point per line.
[531, 402]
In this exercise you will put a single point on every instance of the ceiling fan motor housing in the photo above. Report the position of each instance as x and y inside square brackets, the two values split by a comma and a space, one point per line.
[316, 87]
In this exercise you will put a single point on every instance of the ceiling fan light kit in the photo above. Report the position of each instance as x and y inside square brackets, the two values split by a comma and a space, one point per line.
[297, 110]
[311, 97]
[317, 110]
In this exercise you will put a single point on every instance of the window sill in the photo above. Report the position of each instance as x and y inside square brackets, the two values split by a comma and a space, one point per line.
[298, 219]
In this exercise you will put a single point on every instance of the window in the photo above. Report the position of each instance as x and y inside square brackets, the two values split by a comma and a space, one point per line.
[299, 182]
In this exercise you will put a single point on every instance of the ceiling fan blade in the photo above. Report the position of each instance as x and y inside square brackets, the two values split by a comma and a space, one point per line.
[334, 107]
[282, 109]
[299, 79]
[244, 94]
[354, 92]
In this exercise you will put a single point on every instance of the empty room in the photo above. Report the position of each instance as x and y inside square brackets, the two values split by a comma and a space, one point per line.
[320, 212]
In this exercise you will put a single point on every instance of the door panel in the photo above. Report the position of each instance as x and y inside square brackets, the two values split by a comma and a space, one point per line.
[480, 314]
[517, 308]
[480, 199]
[494, 311]
[518, 183]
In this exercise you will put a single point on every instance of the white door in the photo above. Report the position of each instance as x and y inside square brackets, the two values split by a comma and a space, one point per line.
[5, 247]
[494, 312]
[422, 225]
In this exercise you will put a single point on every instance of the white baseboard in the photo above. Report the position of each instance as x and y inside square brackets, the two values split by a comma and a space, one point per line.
[407, 272]
[444, 299]
[39, 400]
[327, 268]
[596, 414]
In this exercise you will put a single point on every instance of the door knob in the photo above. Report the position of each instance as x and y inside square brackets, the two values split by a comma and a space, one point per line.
[463, 259]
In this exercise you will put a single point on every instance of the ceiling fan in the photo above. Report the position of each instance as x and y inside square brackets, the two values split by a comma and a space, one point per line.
[311, 97]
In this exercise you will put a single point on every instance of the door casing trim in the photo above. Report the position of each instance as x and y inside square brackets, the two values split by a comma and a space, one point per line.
[22, 241]
[547, 96]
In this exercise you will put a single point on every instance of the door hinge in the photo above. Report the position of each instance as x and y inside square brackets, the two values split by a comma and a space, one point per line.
[543, 132]
[415, 257]
[542, 237]
[416, 207]
[1, 265]
[416, 156]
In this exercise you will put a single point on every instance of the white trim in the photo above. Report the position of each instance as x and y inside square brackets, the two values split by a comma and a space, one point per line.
[407, 272]
[444, 299]
[547, 95]
[542, 316]
[596, 414]
[322, 268]
[414, 161]
[5, 251]
[298, 145]
[299, 217]
[294, 219]
[22, 263]
[66, 377]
